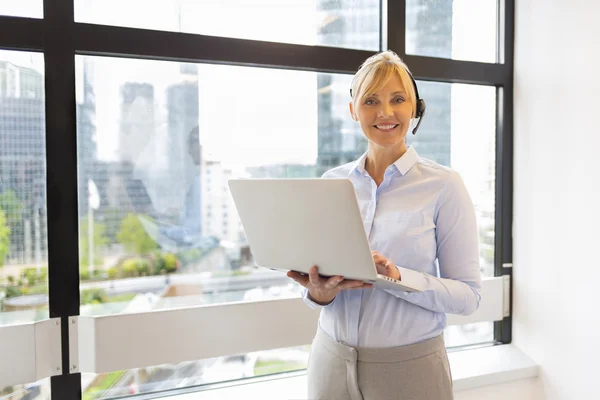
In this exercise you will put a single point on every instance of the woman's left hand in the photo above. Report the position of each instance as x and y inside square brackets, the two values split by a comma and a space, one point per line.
[385, 266]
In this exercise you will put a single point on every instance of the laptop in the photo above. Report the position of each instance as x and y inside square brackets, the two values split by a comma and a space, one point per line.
[293, 224]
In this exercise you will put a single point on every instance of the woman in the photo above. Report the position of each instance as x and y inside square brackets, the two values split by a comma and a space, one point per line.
[388, 344]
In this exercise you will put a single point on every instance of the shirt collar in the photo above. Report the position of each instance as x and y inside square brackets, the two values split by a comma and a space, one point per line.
[359, 165]
[403, 164]
[408, 159]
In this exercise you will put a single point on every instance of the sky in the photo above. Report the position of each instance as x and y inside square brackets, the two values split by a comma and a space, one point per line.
[248, 116]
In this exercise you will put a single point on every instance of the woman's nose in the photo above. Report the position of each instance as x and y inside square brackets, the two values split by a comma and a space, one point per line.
[385, 110]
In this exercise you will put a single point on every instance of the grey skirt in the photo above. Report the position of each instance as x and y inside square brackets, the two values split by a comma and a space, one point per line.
[418, 371]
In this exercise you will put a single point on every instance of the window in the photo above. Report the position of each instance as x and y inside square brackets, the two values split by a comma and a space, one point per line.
[39, 390]
[157, 132]
[456, 29]
[335, 23]
[459, 131]
[22, 8]
[143, 129]
[23, 245]
[194, 373]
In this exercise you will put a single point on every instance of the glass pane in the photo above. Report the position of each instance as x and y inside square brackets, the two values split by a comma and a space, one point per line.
[158, 142]
[459, 131]
[39, 390]
[156, 156]
[23, 232]
[193, 373]
[339, 23]
[469, 334]
[456, 29]
[22, 8]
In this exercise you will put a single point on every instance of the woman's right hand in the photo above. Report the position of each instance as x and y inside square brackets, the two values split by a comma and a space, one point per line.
[323, 290]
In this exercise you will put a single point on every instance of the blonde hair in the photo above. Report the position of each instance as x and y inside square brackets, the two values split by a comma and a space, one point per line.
[375, 71]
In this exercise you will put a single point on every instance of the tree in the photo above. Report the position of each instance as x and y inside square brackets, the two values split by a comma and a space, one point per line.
[112, 218]
[100, 241]
[13, 213]
[4, 237]
[134, 237]
[12, 206]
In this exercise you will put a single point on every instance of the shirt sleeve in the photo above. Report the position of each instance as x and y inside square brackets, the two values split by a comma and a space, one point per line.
[458, 289]
[310, 302]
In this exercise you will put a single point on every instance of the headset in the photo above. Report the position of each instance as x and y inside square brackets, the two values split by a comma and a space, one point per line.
[420, 111]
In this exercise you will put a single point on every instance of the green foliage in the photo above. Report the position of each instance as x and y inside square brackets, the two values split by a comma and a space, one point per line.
[267, 367]
[190, 255]
[11, 204]
[100, 241]
[142, 267]
[160, 266]
[230, 272]
[113, 272]
[154, 264]
[13, 291]
[101, 383]
[134, 237]
[84, 274]
[13, 212]
[164, 263]
[132, 267]
[170, 262]
[93, 296]
[4, 237]
[129, 267]
[29, 282]
[122, 298]
[112, 218]
[32, 277]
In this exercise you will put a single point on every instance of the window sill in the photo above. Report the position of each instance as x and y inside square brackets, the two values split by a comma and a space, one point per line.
[471, 369]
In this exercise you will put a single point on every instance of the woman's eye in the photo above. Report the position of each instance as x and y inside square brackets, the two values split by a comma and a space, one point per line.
[370, 102]
[399, 100]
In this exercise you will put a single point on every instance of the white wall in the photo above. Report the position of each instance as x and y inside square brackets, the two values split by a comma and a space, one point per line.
[557, 193]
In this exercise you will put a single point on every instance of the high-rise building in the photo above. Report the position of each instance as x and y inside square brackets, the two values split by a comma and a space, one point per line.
[183, 143]
[429, 32]
[22, 156]
[219, 215]
[137, 119]
[22, 161]
[182, 109]
[340, 139]
[126, 188]
[86, 135]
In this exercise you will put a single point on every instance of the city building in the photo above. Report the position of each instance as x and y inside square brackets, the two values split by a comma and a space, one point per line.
[22, 162]
[219, 215]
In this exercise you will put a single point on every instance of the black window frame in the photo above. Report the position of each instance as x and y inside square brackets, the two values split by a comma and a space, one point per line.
[60, 38]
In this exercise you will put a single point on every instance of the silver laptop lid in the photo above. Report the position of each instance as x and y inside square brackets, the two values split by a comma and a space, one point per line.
[293, 224]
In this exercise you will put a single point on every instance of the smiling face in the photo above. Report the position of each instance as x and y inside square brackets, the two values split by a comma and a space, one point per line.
[385, 113]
